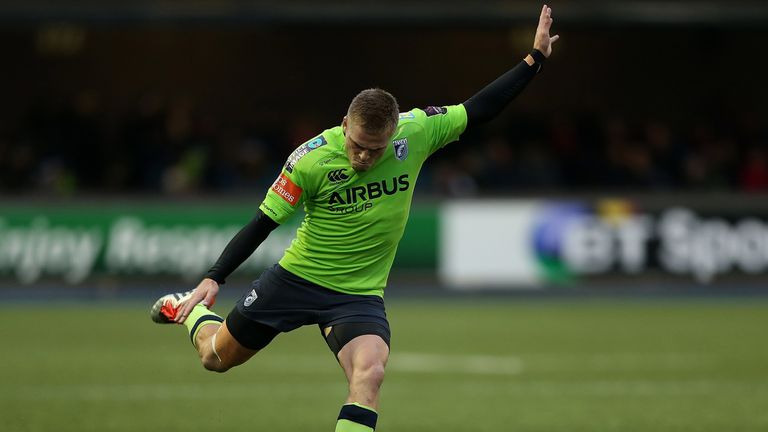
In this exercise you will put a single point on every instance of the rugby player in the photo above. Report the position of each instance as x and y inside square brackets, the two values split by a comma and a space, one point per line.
[355, 182]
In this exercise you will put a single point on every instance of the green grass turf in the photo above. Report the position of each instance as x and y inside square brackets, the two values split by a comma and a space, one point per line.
[682, 365]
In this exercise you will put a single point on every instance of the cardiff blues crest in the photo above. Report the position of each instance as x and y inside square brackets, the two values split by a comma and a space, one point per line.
[401, 148]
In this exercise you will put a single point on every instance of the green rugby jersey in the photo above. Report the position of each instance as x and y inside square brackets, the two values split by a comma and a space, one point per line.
[354, 220]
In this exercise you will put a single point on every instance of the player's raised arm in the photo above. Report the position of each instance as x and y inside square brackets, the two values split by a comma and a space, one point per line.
[242, 245]
[491, 100]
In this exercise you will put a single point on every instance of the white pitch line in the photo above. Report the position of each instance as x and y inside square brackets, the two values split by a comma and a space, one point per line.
[455, 363]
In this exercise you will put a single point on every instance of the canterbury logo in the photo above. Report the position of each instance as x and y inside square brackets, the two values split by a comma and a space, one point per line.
[251, 298]
[337, 176]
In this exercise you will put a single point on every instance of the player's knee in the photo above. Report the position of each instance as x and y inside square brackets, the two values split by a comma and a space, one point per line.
[213, 364]
[371, 375]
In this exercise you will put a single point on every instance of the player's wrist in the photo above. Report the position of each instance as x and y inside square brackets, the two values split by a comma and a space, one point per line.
[538, 56]
[213, 277]
[535, 59]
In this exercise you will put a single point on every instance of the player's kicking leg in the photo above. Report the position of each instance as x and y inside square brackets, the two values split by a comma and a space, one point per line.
[219, 351]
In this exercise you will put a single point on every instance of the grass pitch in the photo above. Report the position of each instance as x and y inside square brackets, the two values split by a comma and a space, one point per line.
[682, 365]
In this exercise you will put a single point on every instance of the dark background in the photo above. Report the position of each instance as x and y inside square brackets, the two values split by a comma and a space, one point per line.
[180, 98]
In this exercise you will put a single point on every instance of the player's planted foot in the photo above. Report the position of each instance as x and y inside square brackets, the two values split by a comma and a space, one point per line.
[165, 308]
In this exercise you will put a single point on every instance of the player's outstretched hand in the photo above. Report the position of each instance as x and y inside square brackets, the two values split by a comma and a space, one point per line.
[543, 41]
[205, 292]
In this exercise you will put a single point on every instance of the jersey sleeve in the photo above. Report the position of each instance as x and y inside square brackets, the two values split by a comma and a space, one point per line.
[289, 191]
[443, 124]
[284, 197]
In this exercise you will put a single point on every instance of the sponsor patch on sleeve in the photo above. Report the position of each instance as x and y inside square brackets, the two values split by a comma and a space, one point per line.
[288, 190]
[407, 115]
[303, 150]
[433, 110]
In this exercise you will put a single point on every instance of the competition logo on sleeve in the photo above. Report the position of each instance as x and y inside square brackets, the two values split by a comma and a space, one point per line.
[401, 148]
[288, 190]
[303, 150]
[407, 116]
[433, 110]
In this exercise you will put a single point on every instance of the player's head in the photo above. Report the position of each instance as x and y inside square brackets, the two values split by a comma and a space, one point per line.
[370, 122]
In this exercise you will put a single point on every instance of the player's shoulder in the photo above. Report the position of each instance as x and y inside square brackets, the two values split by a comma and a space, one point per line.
[314, 150]
[414, 115]
[411, 121]
[421, 115]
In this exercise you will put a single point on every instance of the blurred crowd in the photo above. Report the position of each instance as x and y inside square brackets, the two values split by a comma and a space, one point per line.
[72, 145]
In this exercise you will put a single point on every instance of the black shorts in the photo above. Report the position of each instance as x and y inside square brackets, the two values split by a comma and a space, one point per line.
[282, 301]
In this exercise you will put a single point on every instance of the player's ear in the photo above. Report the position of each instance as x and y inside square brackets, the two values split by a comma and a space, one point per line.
[344, 124]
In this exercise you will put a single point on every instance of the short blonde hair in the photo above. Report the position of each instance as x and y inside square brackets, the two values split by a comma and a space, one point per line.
[375, 109]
